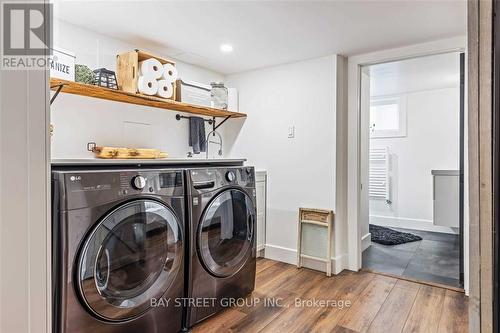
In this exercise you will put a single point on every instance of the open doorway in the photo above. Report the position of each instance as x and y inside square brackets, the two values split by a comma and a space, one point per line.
[412, 159]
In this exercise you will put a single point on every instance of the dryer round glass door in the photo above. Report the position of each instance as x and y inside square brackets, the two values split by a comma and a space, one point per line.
[225, 235]
[130, 257]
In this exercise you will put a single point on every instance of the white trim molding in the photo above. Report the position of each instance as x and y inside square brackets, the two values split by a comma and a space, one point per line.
[366, 241]
[289, 256]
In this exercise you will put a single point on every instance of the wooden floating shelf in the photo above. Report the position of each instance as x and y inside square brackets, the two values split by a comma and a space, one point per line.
[88, 90]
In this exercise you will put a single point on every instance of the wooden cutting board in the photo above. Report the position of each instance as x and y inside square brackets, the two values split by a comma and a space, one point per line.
[125, 153]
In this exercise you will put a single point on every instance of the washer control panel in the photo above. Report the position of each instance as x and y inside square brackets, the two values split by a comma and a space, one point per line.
[87, 188]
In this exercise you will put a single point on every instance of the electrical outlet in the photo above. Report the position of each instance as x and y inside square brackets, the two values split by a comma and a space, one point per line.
[291, 132]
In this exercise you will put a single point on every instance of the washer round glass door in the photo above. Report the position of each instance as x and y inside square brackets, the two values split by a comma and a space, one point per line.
[225, 234]
[132, 256]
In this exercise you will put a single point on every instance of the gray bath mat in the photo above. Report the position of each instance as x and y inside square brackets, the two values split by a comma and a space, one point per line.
[386, 236]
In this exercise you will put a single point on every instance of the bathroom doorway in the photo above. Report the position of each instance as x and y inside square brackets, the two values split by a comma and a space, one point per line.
[412, 160]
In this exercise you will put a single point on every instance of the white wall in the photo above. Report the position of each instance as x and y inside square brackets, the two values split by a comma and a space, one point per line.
[301, 170]
[78, 120]
[430, 87]
[432, 142]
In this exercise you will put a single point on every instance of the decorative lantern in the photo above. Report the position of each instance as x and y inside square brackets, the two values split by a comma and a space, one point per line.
[105, 78]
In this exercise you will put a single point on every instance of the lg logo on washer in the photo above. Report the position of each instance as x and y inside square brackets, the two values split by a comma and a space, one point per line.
[75, 178]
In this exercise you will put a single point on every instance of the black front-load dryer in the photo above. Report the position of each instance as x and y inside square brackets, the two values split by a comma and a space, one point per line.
[221, 253]
[118, 250]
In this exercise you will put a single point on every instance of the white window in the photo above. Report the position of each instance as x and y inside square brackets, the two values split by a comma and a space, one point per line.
[387, 117]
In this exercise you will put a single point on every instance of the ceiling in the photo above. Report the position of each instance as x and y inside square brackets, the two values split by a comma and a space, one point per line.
[265, 33]
[417, 74]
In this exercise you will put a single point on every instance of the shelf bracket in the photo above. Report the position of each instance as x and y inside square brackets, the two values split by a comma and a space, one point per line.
[222, 122]
[59, 88]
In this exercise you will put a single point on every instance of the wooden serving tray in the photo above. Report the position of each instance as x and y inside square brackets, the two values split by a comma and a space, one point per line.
[125, 153]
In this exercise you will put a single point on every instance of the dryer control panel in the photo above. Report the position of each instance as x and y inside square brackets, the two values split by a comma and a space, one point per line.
[209, 179]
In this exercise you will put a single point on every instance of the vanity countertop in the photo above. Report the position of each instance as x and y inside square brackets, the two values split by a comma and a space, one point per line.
[134, 162]
[445, 172]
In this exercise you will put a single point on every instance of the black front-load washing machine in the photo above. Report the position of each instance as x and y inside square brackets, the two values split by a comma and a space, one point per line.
[118, 250]
[221, 254]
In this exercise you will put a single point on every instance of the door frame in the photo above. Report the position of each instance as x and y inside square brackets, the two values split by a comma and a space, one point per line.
[496, 166]
[462, 171]
[481, 35]
[355, 63]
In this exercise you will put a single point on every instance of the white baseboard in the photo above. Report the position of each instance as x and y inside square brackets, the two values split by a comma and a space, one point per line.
[366, 241]
[289, 256]
[261, 251]
[406, 223]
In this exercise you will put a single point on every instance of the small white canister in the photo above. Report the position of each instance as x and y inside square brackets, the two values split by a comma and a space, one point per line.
[62, 64]
[232, 99]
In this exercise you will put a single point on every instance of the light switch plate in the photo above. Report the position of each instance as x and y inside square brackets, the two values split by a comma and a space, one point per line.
[291, 132]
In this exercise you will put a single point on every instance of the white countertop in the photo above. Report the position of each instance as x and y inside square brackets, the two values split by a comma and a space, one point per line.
[164, 161]
[445, 172]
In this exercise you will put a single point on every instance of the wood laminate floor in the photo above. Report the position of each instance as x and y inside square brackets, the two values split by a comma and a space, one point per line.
[377, 304]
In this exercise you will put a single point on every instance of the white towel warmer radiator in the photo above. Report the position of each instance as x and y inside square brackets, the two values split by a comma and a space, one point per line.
[379, 179]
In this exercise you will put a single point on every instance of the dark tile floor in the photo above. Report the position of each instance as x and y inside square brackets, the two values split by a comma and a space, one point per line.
[434, 259]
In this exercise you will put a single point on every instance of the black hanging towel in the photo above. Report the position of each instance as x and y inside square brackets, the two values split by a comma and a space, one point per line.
[197, 134]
